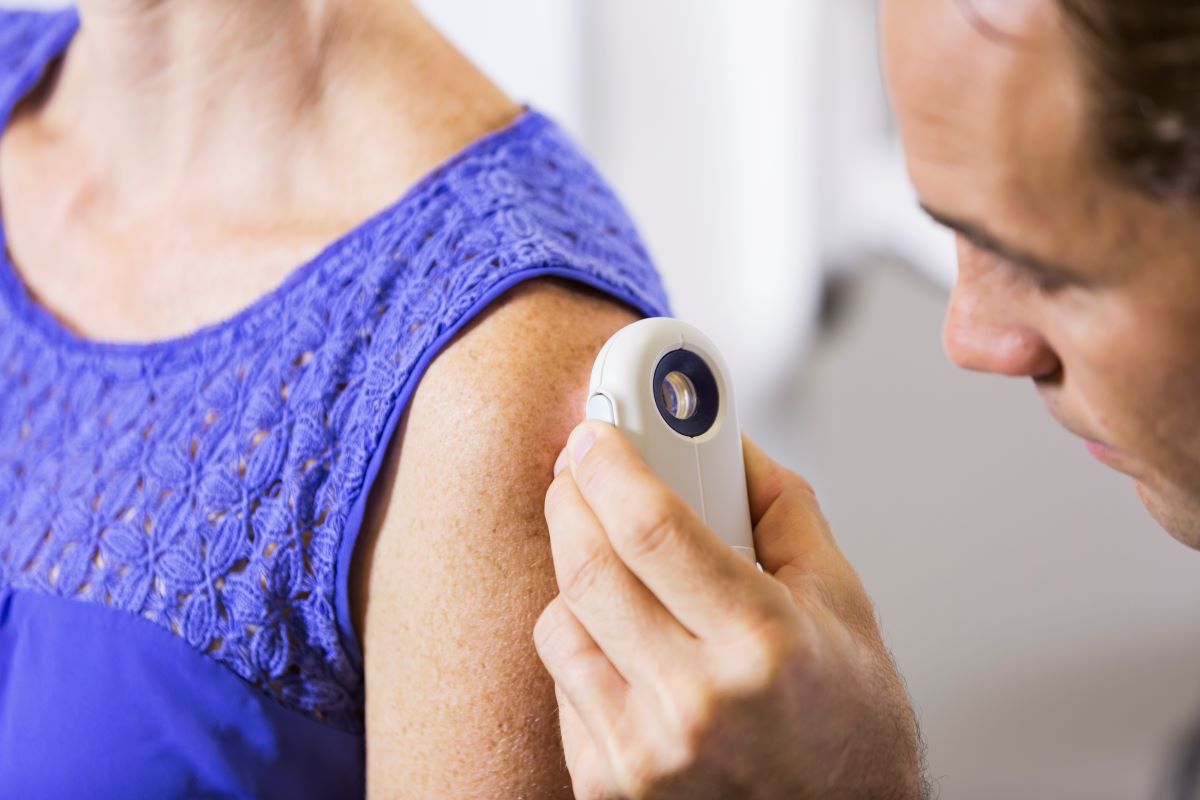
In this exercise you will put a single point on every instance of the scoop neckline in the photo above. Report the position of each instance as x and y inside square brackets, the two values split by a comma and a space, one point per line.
[51, 45]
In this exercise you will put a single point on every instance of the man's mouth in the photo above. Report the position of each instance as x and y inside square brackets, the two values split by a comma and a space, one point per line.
[1103, 452]
[1112, 457]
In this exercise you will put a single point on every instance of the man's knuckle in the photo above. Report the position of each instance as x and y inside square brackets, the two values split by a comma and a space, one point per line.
[780, 482]
[640, 767]
[696, 718]
[798, 483]
[594, 786]
[772, 650]
[587, 572]
[800, 501]
[558, 486]
[658, 529]
[550, 627]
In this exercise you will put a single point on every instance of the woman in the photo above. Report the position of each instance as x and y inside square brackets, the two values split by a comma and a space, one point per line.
[296, 310]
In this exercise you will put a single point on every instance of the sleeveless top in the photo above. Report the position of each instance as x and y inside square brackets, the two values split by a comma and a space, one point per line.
[177, 517]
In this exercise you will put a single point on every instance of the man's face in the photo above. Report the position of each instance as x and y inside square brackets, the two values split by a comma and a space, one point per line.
[1065, 277]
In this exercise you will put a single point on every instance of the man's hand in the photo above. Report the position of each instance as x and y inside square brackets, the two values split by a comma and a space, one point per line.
[682, 671]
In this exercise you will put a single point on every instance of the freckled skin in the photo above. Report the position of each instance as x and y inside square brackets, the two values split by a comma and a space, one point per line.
[454, 566]
[1004, 140]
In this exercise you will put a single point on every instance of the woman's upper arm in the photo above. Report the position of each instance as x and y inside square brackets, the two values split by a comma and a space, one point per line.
[454, 565]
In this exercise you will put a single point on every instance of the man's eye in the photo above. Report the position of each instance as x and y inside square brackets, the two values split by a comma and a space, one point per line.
[1048, 284]
[1044, 281]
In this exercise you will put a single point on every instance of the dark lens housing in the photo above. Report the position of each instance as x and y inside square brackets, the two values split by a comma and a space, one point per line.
[708, 400]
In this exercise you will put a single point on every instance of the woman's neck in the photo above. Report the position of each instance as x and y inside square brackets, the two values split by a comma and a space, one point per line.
[185, 155]
[172, 60]
[255, 99]
[163, 89]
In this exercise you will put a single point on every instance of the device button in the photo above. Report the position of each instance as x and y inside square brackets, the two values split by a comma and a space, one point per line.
[600, 407]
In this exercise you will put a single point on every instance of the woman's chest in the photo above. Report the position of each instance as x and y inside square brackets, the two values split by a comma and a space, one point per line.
[114, 265]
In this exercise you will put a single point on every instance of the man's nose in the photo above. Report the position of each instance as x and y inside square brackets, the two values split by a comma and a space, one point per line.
[982, 334]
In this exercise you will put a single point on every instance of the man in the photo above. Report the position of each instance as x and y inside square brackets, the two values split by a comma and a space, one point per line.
[1061, 140]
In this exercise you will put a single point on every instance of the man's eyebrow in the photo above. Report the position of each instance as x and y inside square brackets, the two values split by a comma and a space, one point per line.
[981, 238]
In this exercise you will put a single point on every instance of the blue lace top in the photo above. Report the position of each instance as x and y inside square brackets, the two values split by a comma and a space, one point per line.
[177, 517]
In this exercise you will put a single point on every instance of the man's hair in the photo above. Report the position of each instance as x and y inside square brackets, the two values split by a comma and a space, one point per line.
[1142, 65]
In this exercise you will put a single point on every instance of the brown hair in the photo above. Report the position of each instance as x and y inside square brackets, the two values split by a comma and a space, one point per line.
[1142, 60]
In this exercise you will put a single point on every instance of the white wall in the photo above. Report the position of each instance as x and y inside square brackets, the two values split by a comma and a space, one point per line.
[754, 150]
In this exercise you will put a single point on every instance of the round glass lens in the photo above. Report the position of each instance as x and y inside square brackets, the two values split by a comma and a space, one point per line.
[679, 395]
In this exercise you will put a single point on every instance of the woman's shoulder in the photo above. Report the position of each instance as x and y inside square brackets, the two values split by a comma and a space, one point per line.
[521, 200]
[455, 563]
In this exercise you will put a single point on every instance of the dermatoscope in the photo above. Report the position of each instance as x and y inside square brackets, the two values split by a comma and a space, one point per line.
[664, 385]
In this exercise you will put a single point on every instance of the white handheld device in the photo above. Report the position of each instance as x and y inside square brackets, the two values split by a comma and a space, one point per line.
[663, 384]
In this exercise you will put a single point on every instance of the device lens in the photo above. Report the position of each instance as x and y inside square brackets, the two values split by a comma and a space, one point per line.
[685, 393]
[679, 395]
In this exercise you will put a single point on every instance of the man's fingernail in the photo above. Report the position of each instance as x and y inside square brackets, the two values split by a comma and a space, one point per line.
[581, 444]
[561, 462]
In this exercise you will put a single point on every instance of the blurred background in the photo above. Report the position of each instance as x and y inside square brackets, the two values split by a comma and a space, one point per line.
[1045, 625]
